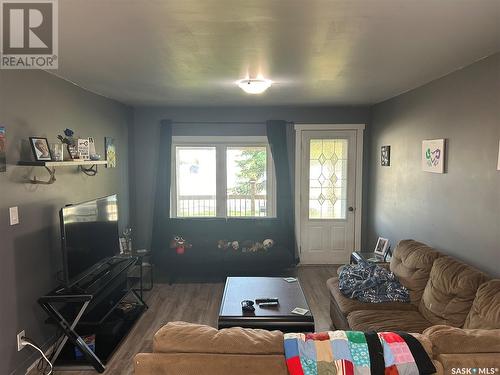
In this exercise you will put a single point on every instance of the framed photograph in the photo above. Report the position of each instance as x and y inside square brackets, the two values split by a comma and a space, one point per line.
[110, 151]
[3, 158]
[41, 149]
[433, 155]
[381, 247]
[385, 156]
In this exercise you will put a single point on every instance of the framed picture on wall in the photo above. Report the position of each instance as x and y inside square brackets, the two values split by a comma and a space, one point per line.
[385, 156]
[41, 149]
[433, 155]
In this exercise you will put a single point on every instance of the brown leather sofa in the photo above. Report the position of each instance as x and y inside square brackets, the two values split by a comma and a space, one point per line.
[191, 349]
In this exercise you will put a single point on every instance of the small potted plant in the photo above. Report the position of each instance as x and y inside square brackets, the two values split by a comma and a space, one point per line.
[70, 143]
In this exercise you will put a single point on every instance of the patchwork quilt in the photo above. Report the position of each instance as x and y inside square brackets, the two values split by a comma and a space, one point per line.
[354, 352]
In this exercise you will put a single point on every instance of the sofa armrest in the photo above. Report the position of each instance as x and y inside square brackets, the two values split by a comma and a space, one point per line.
[452, 340]
[488, 362]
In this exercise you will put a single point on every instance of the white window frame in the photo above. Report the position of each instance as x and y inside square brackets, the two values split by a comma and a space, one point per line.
[221, 144]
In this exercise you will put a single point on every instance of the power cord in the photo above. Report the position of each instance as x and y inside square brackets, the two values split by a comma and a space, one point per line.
[26, 341]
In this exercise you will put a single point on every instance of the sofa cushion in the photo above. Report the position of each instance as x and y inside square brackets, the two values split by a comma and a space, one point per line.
[385, 320]
[412, 263]
[453, 340]
[485, 311]
[448, 295]
[181, 337]
[347, 305]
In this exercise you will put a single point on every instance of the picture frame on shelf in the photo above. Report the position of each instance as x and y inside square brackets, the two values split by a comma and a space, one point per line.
[72, 151]
[83, 148]
[41, 149]
[381, 246]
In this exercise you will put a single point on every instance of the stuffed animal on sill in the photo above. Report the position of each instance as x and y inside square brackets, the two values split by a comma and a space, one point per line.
[223, 244]
[180, 245]
[267, 244]
[257, 246]
[235, 245]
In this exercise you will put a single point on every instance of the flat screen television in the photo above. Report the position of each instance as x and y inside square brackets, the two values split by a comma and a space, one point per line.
[90, 236]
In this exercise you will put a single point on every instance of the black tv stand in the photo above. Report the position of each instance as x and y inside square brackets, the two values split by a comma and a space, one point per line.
[95, 307]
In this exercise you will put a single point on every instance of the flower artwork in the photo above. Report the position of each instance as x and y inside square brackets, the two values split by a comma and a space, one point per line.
[433, 154]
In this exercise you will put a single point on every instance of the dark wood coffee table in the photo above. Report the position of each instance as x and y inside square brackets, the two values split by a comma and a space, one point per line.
[290, 296]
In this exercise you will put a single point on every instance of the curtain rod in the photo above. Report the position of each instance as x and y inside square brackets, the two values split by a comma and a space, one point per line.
[218, 122]
[222, 122]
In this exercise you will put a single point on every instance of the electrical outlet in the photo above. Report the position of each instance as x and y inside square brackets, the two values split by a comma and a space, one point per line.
[20, 345]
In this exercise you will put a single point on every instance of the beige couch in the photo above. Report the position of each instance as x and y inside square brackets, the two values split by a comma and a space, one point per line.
[445, 295]
[442, 291]
[191, 349]
[184, 348]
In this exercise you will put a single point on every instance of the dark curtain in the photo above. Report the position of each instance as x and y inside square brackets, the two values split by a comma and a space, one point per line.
[278, 135]
[160, 237]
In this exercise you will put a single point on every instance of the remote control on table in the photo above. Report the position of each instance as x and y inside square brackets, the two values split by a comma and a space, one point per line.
[268, 304]
[265, 300]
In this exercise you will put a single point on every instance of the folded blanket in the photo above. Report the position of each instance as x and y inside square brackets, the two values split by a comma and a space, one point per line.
[368, 282]
[353, 352]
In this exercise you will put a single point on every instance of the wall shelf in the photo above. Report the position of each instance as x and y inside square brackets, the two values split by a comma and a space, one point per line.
[68, 163]
[50, 166]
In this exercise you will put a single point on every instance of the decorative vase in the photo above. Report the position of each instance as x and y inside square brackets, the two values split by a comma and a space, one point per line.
[57, 150]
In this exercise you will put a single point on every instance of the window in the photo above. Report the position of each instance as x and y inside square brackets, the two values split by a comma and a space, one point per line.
[196, 184]
[328, 178]
[222, 177]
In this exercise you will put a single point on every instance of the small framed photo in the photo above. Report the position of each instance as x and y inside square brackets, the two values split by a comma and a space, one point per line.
[385, 156]
[41, 149]
[381, 247]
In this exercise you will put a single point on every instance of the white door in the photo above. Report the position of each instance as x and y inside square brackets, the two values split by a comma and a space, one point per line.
[327, 196]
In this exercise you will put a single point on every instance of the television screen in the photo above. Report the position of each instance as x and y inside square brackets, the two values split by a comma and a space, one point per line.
[90, 235]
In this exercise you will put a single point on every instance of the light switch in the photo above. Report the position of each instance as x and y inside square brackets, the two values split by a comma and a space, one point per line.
[14, 215]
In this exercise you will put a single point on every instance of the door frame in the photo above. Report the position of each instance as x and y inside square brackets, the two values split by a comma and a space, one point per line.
[358, 199]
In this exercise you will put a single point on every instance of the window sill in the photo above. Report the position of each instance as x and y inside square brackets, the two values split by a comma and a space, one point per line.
[225, 218]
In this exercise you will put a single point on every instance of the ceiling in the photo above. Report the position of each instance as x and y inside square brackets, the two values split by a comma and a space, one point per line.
[190, 52]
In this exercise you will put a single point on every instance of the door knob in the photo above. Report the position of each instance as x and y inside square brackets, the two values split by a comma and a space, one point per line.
[350, 209]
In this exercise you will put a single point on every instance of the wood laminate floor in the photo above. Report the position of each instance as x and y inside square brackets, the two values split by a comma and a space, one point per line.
[199, 303]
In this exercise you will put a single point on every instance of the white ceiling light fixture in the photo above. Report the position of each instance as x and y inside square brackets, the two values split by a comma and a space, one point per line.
[254, 85]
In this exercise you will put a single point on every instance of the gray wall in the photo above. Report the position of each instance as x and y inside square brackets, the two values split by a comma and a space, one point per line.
[457, 212]
[144, 141]
[35, 103]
